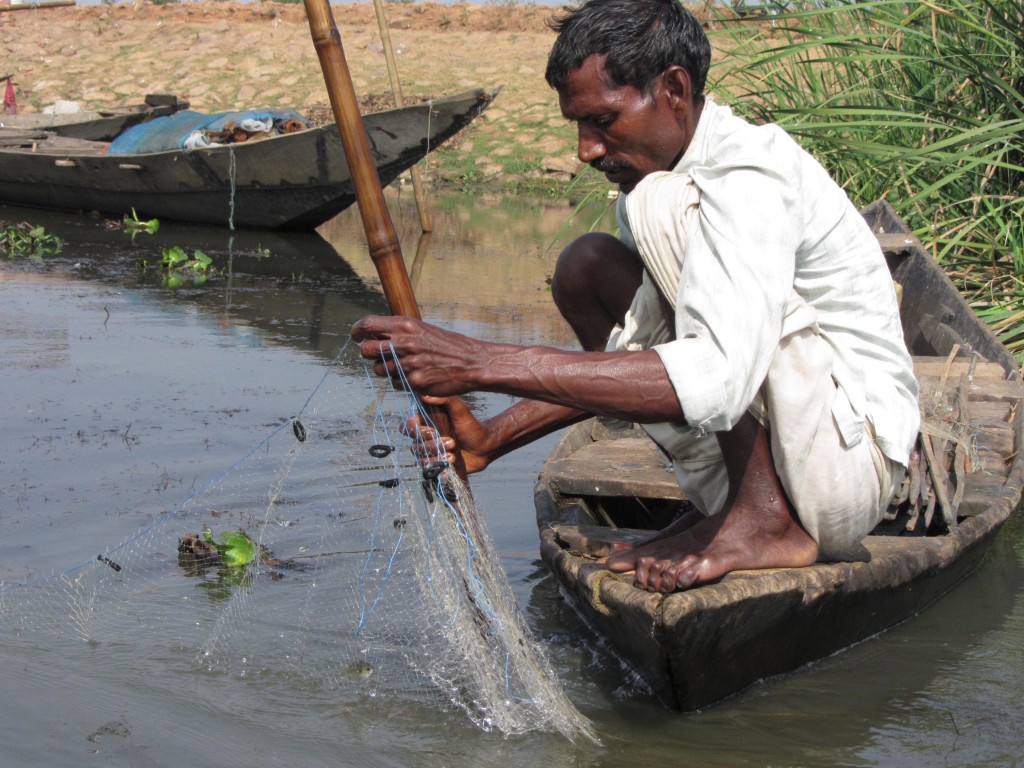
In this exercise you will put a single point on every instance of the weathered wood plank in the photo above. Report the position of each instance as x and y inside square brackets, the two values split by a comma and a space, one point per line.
[982, 490]
[936, 367]
[980, 388]
[894, 242]
[630, 466]
[994, 437]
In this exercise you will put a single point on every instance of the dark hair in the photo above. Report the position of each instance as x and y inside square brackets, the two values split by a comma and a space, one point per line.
[641, 38]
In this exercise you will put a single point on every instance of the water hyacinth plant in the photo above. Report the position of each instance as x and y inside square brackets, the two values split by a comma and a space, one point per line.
[920, 103]
[234, 547]
[24, 239]
[178, 265]
[133, 225]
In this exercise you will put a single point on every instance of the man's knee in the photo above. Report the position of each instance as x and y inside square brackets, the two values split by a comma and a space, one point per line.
[596, 272]
[578, 264]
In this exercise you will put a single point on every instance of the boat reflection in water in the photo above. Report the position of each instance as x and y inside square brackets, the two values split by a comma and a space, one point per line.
[306, 289]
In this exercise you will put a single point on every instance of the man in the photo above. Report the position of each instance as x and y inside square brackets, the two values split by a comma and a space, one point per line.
[745, 317]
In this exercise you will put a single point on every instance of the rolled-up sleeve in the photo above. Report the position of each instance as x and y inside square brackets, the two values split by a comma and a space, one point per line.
[737, 267]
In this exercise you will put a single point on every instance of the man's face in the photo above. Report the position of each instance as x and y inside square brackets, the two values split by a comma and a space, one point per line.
[622, 133]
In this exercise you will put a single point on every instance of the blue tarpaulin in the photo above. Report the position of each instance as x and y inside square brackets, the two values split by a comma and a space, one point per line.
[166, 133]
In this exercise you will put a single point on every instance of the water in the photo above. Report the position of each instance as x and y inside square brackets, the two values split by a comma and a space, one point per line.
[120, 395]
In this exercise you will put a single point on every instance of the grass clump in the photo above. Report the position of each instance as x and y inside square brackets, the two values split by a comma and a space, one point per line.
[918, 103]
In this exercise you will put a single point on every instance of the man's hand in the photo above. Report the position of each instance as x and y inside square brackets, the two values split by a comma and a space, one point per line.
[472, 439]
[435, 362]
[633, 386]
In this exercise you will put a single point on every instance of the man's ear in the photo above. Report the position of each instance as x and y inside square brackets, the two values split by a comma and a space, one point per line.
[678, 87]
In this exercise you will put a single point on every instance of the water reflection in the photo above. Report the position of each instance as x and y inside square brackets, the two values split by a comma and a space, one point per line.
[487, 261]
[294, 288]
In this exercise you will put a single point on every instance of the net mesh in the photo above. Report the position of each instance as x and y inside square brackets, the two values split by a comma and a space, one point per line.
[328, 551]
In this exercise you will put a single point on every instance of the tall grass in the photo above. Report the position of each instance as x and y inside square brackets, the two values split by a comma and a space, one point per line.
[920, 103]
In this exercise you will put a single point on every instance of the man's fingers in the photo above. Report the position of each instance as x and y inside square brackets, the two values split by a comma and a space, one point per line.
[366, 328]
[382, 327]
[373, 334]
[428, 443]
[373, 349]
[373, 327]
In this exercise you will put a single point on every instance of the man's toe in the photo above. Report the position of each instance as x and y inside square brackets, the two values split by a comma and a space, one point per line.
[621, 562]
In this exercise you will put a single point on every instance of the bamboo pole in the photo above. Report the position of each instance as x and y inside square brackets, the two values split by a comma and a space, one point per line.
[396, 89]
[385, 249]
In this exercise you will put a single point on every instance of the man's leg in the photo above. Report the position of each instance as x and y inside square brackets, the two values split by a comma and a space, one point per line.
[593, 286]
[757, 529]
[840, 490]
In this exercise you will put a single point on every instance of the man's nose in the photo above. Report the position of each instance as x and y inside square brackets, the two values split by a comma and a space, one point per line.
[589, 146]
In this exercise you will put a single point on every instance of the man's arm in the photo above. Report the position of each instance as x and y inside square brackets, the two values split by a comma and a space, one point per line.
[481, 442]
[632, 386]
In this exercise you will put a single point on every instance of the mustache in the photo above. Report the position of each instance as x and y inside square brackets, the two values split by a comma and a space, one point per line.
[610, 165]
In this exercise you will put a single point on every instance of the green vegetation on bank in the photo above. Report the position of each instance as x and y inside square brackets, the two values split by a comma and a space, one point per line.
[919, 103]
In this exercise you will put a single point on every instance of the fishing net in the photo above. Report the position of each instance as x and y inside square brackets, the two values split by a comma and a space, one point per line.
[328, 552]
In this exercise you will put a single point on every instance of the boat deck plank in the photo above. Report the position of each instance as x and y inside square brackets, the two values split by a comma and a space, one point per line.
[629, 466]
[634, 466]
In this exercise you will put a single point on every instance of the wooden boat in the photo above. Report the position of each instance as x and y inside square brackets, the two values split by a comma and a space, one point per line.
[697, 647]
[292, 181]
[96, 125]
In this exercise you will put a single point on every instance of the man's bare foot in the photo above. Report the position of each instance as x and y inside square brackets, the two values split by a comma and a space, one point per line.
[736, 539]
[682, 523]
[757, 529]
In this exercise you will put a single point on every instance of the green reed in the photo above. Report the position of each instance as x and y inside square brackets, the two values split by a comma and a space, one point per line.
[919, 103]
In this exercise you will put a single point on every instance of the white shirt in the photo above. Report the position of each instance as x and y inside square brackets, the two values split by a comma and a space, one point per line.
[766, 234]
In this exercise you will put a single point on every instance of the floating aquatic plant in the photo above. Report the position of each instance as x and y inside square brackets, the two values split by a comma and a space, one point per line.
[235, 547]
[24, 239]
[133, 225]
[179, 265]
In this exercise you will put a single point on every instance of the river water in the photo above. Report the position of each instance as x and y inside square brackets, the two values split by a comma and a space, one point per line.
[120, 394]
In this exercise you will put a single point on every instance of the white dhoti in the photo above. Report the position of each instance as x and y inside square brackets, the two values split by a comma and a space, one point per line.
[838, 490]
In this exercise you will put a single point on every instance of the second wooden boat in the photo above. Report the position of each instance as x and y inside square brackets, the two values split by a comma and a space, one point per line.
[292, 181]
